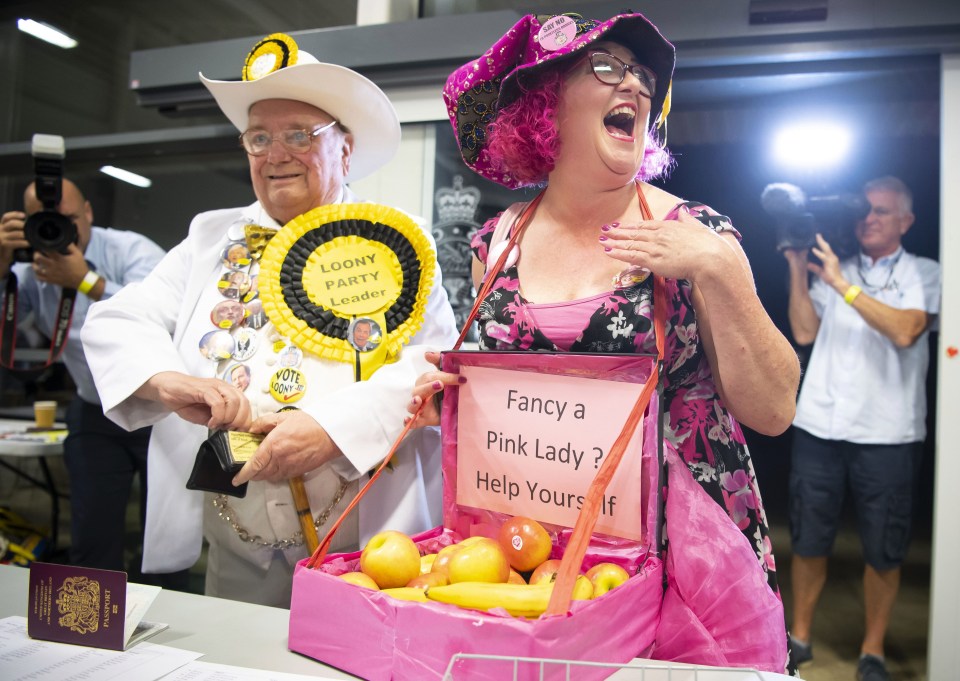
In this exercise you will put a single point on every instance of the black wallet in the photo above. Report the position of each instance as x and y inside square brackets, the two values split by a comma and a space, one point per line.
[219, 458]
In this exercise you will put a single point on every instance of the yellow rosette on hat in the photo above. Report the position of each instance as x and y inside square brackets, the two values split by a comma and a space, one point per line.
[348, 282]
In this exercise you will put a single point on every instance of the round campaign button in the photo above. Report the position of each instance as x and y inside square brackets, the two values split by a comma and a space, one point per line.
[287, 385]
[290, 356]
[238, 375]
[236, 255]
[228, 314]
[557, 32]
[246, 343]
[234, 284]
[217, 345]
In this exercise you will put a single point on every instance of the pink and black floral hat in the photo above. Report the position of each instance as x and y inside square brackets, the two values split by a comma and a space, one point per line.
[476, 91]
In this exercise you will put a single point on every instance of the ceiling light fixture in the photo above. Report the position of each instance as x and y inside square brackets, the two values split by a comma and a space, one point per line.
[126, 176]
[54, 36]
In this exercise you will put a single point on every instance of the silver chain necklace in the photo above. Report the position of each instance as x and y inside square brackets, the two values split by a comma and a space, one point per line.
[227, 514]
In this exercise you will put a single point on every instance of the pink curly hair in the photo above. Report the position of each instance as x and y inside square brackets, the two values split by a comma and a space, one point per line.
[523, 139]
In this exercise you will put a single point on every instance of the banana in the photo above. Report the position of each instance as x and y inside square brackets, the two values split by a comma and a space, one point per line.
[406, 593]
[520, 600]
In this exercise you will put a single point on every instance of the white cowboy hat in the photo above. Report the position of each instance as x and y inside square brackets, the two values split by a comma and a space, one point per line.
[355, 101]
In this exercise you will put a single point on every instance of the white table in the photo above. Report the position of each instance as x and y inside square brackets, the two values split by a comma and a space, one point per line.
[39, 449]
[226, 632]
[247, 635]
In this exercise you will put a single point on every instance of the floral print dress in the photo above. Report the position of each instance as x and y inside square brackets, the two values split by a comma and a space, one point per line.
[698, 425]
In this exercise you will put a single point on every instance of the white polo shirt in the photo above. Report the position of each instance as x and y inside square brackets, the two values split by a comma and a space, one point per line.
[859, 387]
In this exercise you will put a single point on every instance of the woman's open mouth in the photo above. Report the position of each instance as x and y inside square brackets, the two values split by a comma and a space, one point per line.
[620, 121]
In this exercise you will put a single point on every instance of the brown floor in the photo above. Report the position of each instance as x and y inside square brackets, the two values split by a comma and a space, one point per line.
[837, 629]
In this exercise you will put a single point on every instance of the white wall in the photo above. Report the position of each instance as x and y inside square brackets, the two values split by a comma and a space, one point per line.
[407, 181]
[944, 653]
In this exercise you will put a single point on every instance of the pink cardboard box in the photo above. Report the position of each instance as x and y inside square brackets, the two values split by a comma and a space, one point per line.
[374, 636]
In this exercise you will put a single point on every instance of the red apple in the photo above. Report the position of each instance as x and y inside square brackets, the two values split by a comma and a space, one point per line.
[391, 559]
[525, 542]
[480, 561]
[429, 579]
[606, 576]
[360, 579]
[546, 571]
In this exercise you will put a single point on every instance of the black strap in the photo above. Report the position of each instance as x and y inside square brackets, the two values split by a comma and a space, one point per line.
[8, 326]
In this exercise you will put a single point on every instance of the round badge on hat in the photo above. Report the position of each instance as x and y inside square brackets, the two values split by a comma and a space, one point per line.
[276, 51]
[337, 263]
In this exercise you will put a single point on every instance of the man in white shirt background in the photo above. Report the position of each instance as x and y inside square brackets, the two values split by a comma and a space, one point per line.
[861, 413]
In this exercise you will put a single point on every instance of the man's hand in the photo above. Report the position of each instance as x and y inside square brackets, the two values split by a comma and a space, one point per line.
[11, 238]
[829, 270]
[65, 270]
[295, 444]
[208, 402]
[796, 258]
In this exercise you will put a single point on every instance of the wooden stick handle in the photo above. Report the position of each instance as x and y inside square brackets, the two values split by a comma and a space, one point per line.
[302, 505]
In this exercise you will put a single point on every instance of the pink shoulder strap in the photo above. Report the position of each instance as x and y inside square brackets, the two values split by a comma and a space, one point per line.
[507, 219]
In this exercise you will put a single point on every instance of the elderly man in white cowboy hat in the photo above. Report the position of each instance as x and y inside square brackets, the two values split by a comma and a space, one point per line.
[308, 128]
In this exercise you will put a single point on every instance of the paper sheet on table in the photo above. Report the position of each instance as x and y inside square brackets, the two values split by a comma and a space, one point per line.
[208, 671]
[23, 658]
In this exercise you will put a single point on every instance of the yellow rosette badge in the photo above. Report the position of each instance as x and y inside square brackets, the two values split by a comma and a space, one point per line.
[348, 282]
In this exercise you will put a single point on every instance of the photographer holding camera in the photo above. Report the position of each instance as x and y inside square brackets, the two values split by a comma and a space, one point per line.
[860, 419]
[91, 263]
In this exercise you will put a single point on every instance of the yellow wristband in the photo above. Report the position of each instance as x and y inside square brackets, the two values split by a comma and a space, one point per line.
[851, 294]
[90, 280]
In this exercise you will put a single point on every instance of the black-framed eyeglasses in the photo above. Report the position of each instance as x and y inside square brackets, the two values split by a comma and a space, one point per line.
[257, 142]
[610, 70]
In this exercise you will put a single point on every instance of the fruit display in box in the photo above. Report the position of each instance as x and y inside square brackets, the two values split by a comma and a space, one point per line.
[478, 573]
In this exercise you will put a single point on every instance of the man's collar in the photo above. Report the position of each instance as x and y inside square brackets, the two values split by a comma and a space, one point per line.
[867, 261]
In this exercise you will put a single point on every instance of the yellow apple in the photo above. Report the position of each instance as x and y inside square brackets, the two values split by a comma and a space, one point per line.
[606, 576]
[391, 559]
[360, 579]
[442, 559]
[582, 589]
[479, 561]
[426, 562]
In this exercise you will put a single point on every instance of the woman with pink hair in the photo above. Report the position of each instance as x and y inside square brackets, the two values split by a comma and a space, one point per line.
[575, 105]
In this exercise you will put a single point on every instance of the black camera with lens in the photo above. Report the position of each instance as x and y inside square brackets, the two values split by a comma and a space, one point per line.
[798, 218]
[47, 230]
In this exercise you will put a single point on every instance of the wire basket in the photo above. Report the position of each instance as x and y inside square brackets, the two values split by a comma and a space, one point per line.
[628, 671]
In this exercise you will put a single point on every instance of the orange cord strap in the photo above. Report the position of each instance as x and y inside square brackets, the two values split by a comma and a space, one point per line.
[583, 529]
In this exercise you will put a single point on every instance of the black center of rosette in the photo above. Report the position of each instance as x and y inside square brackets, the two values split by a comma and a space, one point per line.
[320, 318]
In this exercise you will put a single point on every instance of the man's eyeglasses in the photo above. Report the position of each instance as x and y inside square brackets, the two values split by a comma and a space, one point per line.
[257, 142]
[611, 71]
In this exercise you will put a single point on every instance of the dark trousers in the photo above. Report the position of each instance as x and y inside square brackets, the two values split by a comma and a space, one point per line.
[102, 459]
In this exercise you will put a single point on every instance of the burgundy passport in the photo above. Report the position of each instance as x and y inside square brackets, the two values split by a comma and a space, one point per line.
[78, 605]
